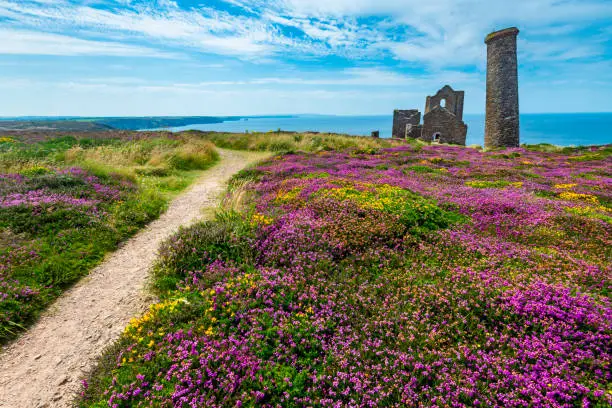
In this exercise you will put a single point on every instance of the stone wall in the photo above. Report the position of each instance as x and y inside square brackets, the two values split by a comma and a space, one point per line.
[415, 132]
[402, 118]
[443, 123]
[453, 99]
[502, 109]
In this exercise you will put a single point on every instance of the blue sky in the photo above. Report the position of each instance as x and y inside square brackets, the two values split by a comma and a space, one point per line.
[248, 57]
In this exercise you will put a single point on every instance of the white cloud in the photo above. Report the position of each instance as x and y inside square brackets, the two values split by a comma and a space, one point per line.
[539, 51]
[349, 79]
[442, 32]
[205, 30]
[436, 33]
[38, 43]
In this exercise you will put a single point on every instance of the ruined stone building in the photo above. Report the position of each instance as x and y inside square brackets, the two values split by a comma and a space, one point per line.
[442, 121]
[405, 122]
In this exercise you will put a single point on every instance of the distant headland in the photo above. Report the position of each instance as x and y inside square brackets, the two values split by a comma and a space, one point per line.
[84, 124]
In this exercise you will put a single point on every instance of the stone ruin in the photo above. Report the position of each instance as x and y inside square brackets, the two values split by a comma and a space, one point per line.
[443, 118]
[502, 109]
[405, 121]
[442, 121]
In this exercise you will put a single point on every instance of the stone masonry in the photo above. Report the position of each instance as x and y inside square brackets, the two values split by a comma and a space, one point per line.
[442, 126]
[443, 119]
[405, 121]
[502, 109]
[442, 122]
[453, 101]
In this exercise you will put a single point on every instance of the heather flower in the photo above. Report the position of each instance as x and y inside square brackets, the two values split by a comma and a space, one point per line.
[429, 276]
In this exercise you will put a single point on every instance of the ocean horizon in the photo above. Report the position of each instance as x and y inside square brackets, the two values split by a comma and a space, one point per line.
[563, 129]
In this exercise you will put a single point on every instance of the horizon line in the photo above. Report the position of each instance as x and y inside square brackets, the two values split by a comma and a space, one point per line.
[268, 115]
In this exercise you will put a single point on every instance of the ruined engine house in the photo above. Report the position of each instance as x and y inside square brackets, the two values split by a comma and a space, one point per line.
[442, 121]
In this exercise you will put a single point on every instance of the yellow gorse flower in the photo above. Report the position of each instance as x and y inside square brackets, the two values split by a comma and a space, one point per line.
[571, 196]
[261, 219]
[285, 196]
[134, 328]
[565, 186]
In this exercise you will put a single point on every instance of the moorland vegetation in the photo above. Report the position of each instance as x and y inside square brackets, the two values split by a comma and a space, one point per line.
[367, 275]
[65, 202]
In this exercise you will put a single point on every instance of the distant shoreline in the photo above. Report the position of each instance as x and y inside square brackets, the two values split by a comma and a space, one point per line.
[576, 129]
[76, 123]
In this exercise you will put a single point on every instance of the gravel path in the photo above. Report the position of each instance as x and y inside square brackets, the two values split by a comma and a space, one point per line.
[43, 367]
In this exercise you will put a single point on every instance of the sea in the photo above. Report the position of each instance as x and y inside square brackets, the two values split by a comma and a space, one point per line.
[573, 129]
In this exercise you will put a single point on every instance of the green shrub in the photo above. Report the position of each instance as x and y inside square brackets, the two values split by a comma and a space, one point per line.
[488, 184]
[281, 146]
[35, 171]
[193, 156]
[193, 248]
[152, 171]
[421, 169]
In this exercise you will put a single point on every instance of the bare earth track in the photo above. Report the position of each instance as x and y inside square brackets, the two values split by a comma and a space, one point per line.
[43, 367]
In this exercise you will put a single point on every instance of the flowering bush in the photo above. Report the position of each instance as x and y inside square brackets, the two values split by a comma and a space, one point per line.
[479, 282]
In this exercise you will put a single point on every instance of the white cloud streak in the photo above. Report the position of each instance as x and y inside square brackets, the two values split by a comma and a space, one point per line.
[437, 34]
[20, 42]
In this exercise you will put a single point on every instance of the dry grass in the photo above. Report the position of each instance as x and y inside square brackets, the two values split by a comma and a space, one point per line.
[147, 156]
[284, 142]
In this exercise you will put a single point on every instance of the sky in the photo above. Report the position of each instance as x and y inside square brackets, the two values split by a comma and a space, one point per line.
[257, 57]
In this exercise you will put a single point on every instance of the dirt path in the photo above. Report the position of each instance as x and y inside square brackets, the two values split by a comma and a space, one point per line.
[42, 368]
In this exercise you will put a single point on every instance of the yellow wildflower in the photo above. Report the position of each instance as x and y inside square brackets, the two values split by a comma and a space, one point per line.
[287, 196]
[570, 195]
[565, 186]
[260, 219]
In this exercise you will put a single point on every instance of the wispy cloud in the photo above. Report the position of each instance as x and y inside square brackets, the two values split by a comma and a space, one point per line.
[30, 42]
[438, 33]
[347, 79]
[158, 23]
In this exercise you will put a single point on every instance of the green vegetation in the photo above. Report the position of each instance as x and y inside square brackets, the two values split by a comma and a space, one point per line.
[64, 203]
[361, 279]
